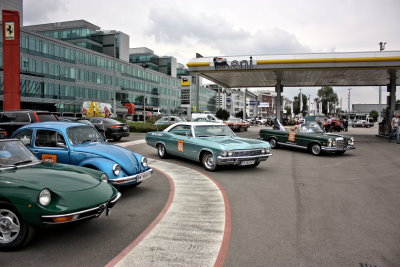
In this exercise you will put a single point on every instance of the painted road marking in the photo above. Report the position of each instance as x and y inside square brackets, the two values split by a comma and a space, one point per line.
[131, 143]
[193, 231]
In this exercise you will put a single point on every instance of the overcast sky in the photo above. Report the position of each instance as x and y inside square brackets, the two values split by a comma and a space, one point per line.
[182, 28]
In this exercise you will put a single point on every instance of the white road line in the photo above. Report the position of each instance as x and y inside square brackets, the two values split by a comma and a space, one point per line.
[191, 231]
[131, 143]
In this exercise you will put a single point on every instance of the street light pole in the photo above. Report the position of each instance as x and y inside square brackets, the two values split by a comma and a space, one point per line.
[348, 99]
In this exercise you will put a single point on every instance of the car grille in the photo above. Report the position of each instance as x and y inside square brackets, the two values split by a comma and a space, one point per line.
[246, 153]
[341, 143]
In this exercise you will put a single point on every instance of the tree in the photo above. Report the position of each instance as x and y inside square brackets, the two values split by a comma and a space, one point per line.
[374, 115]
[296, 105]
[222, 114]
[288, 111]
[327, 95]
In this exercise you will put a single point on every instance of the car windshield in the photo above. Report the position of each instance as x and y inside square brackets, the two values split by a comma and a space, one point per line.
[14, 153]
[212, 130]
[234, 120]
[311, 127]
[83, 134]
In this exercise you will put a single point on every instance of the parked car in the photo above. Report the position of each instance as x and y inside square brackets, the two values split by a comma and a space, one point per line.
[112, 129]
[213, 144]
[168, 120]
[309, 136]
[34, 194]
[82, 145]
[75, 119]
[13, 119]
[237, 124]
[362, 123]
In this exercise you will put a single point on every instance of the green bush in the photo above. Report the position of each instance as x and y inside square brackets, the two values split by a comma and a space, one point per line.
[141, 127]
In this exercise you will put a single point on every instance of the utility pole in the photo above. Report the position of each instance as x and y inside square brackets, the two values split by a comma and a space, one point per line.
[301, 103]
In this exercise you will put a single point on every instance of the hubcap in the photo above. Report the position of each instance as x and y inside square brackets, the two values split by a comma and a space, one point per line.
[209, 161]
[9, 226]
[161, 150]
[272, 143]
[316, 149]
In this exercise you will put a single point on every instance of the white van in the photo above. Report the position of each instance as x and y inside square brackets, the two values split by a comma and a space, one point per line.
[205, 117]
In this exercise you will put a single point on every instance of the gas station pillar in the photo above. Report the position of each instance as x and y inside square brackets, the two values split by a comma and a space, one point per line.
[11, 59]
[278, 99]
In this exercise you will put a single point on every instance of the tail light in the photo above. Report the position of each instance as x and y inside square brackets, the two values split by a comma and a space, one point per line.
[116, 126]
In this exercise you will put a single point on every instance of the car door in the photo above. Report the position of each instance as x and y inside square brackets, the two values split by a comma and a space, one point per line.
[50, 146]
[181, 142]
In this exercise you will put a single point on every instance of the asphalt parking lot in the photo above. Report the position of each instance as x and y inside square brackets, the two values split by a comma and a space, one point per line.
[295, 209]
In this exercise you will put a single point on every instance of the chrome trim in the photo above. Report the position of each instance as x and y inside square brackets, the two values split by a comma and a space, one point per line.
[130, 179]
[292, 145]
[245, 157]
[117, 197]
[334, 148]
[10, 166]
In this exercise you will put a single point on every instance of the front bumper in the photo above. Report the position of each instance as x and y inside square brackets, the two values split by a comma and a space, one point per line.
[237, 160]
[335, 148]
[82, 214]
[134, 179]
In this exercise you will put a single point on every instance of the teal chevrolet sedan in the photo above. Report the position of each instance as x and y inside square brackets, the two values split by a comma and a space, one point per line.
[309, 136]
[35, 194]
[212, 144]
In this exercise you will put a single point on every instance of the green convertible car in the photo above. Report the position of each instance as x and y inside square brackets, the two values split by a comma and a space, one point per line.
[35, 194]
[309, 136]
[213, 144]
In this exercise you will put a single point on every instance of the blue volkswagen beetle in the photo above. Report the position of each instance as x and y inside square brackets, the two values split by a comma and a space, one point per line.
[82, 145]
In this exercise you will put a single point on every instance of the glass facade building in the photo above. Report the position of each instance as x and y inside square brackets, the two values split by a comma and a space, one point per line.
[58, 76]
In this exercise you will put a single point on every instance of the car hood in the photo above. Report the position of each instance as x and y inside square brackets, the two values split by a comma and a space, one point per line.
[331, 135]
[231, 143]
[57, 177]
[120, 155]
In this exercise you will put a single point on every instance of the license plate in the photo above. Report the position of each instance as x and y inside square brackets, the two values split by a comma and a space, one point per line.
[247, 162]
[125, 128]
[139, 178]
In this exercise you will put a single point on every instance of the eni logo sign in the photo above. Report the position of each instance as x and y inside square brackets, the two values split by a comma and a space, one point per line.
[9, 31]
[221, 63]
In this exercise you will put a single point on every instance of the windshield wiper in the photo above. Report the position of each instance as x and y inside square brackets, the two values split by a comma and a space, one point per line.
[22, 162]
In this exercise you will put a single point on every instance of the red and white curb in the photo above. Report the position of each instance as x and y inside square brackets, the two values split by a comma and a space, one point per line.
[192, 230]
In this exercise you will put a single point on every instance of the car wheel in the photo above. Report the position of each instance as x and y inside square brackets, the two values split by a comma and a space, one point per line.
[245, 129]
[162, 152]
[209, 162]
[316, 149]
[117, 138]
[273, 143]
[15, 233]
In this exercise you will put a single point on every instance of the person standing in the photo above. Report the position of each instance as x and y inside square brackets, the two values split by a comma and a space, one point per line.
[395, 127]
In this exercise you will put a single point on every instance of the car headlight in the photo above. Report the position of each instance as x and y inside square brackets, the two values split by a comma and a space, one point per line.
[263, 151]
[224, 153]
[230, 153]
[330, 142]
[44, 197]
[267, 151]
[104, 177]
[116, 169]
[144, 162]
[350, 141]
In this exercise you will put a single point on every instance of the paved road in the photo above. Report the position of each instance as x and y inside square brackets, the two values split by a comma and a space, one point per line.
[293, 210]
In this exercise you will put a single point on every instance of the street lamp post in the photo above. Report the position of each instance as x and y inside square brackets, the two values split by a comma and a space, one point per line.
[381, 48]
[348, 99]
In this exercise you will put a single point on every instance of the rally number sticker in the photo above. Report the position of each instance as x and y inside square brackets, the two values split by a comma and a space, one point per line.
[181, 146]
[292, 137]
[49, 158]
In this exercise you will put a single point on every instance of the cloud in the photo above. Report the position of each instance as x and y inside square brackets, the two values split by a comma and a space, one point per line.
[174, 26]
[43, 11]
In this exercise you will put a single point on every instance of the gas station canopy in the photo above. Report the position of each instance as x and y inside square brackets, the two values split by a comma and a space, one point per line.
[294, 70]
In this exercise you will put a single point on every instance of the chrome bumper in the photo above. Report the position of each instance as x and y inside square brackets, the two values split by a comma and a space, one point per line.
[334, 148]
[83, 214]
[132, 179]
[236, 160]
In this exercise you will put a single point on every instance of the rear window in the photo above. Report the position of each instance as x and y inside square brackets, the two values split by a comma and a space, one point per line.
[111, 121]
[47, 117]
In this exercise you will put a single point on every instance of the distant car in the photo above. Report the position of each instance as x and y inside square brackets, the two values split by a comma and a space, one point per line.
[82, 145]
[309, 136]
[237, 124]
[362, 123]
[168, 120]
[34, 194]
[11, 120]
[213, 144]
[112, 129]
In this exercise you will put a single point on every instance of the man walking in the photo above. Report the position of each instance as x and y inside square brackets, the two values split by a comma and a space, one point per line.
[395, 127]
